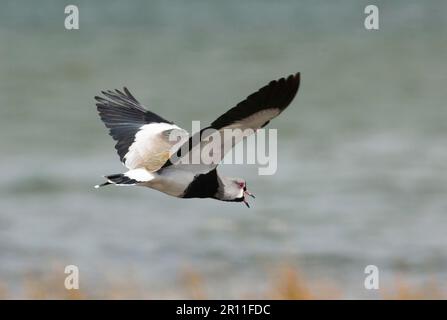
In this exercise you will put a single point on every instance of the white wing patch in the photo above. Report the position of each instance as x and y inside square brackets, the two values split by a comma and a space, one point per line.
[256, 120]
[140, 175]
[151, 147]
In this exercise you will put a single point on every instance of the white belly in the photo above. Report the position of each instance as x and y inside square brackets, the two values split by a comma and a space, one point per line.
[172, 181]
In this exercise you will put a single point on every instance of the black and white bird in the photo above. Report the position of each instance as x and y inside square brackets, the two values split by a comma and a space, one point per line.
[144, 147]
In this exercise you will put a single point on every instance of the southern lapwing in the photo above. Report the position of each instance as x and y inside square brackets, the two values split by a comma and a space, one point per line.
[145, 146]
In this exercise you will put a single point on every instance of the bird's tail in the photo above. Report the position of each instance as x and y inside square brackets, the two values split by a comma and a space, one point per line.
[130, 178]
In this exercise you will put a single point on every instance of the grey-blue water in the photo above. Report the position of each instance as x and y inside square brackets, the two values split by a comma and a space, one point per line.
[362, 172]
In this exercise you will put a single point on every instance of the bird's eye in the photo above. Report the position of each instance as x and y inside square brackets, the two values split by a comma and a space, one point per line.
[241, 184]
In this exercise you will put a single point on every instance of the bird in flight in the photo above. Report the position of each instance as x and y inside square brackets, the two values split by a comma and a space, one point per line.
[153, 158]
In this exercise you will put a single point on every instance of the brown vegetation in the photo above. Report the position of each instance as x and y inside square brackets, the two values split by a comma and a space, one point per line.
[287, 283]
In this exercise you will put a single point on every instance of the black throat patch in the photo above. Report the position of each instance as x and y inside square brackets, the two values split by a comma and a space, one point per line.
[203, 186]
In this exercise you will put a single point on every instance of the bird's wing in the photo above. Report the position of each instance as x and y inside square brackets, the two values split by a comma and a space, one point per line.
[253, 113]
[142, 137]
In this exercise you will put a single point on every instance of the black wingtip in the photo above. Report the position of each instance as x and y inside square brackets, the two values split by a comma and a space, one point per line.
[277, 94]
[99, 99]
[102, 185]
[298, 77]
[293, 77]
[127, 92]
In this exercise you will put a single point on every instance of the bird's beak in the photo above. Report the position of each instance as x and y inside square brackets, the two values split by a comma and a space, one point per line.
[246, 193]
[249, 194]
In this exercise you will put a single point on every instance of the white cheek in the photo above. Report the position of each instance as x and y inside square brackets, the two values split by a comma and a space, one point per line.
[241, 193]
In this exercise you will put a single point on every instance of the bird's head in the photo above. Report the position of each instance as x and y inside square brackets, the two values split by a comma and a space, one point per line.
[235, 189]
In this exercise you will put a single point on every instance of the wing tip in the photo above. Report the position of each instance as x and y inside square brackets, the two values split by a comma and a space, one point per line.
[296, 78]
[292, 81]
[290, 86]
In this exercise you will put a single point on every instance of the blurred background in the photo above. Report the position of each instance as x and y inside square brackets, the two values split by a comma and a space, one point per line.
[362, 159]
